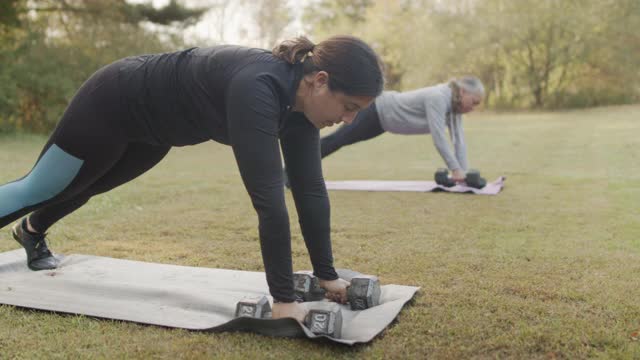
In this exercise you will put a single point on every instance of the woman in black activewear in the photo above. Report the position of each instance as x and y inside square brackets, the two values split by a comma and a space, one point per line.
[127, 116]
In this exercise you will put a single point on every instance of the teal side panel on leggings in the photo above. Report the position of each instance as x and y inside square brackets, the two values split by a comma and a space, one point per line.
[51, 175]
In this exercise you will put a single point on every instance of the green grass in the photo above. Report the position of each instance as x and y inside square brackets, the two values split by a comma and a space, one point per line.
[547, 269]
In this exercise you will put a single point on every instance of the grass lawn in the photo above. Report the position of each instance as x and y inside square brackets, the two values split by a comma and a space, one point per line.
[547, 269]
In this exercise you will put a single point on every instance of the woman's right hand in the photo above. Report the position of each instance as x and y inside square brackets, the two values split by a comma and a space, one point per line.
[289, 310]
[458, 175]
[336, 289]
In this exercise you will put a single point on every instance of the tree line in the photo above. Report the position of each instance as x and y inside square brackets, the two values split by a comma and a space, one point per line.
[530, 54]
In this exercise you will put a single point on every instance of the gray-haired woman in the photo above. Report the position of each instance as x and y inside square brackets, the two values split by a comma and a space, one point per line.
[429, 110]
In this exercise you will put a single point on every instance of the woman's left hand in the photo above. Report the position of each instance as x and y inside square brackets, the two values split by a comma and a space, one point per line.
[336, 290]
[458, 175]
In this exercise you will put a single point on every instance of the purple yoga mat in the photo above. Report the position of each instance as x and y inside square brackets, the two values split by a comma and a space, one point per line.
[492, 188]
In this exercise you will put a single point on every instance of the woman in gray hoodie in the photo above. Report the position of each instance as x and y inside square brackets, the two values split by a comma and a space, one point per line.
[429, 110]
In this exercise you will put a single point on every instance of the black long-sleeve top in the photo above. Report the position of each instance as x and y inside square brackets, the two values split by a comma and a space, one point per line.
[241, 97]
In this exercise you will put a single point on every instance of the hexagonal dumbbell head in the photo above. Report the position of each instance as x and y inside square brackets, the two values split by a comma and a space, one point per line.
[442, 178]
[474, 180]
[255, 307]
[307, 287]
[364, 292]
[325, 319]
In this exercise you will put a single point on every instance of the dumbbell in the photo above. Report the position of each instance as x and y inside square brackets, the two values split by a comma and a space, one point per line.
[442, 178]
[473, 178]
[323, 319]
[255, 307]
[307, 287]
[363, 293]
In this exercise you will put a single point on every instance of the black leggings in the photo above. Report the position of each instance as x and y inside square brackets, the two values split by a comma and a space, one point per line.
[90, 152]
[364, 127]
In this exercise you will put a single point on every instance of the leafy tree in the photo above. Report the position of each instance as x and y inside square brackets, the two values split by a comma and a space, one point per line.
[271, 18]
[529, 53]
[48, 48]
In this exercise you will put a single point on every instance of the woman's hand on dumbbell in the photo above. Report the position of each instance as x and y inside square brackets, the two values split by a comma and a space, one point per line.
[458, 175]
[336, 290]
[289, 310]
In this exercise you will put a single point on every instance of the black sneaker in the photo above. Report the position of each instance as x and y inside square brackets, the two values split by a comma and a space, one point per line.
[38, 255]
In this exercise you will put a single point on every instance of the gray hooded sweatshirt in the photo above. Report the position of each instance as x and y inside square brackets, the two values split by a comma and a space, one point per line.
[426, 111]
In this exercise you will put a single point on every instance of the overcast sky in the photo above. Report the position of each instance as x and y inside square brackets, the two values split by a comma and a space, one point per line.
[236, 27]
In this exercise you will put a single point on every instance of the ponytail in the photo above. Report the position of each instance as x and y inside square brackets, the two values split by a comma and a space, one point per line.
[470, 84]
[294, 50]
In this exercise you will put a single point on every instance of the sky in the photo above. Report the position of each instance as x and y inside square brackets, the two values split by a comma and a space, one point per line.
[234, 26]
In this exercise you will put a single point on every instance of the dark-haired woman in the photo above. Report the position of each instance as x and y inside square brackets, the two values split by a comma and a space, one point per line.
[127, 116]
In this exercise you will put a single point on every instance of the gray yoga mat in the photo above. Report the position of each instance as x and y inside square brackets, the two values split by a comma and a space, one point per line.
[492, 188]
[170, 295]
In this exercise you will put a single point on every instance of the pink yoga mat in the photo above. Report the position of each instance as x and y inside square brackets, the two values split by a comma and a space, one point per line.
[492, 188]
